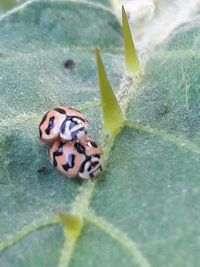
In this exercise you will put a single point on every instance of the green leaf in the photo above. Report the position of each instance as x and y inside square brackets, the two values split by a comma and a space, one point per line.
[144, 208]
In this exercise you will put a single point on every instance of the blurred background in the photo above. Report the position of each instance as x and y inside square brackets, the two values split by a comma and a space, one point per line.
[151, 20]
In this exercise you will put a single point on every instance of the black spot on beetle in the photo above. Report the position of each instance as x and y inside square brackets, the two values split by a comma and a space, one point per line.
[70, 162]
[50, 126]
[93, 165]
[57, 153]
[93, 144]
[69, 64]
[43, 119]
[40, 133]
[96, 156]
[60, 110]
[74, 109]
[82, 167]
[79, 148]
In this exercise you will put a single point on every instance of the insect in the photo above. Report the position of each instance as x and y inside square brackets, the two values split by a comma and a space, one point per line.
[77, 158]
[69, 64]
[63, 123]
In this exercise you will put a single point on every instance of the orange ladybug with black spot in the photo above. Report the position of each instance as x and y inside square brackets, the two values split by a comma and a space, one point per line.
[77, 158]
[64, 123]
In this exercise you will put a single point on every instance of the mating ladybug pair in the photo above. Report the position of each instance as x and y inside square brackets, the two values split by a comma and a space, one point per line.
[73, 153]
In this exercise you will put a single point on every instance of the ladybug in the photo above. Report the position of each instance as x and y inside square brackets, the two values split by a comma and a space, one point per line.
[63, 122]
[77, 158]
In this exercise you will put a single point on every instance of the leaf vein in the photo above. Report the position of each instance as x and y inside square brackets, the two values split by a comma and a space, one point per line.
[27, 231]
[79, 2]
[81, 204]
[179, 141]
[120, 237]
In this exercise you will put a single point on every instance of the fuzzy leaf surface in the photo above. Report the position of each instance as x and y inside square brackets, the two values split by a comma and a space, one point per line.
[144, 209]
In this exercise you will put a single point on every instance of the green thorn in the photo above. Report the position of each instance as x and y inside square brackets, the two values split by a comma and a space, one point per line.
[112, 114]
[132, 61]
[73, 224]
